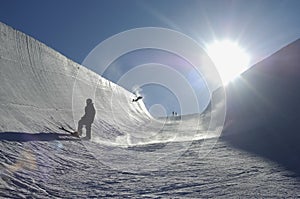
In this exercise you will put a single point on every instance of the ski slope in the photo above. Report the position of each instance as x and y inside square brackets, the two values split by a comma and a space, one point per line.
[130, 155]
[43, 91]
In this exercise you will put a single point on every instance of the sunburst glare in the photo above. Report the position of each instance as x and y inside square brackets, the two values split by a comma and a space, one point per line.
[229, 58]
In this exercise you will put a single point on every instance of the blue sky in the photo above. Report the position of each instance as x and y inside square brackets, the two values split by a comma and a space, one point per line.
[75, 27]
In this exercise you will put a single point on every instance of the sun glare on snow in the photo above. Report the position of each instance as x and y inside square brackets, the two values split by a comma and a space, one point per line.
[229, 58]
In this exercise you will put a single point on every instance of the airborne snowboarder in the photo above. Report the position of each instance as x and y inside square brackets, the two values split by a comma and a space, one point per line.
[137, 99]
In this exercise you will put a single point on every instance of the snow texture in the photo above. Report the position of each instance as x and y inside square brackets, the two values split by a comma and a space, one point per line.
[131, 154]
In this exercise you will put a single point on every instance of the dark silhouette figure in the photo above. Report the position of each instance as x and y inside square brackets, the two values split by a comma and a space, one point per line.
[87, 119]
[137, 99]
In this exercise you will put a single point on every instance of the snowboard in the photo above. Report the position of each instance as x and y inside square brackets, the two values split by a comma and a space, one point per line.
[73, 133]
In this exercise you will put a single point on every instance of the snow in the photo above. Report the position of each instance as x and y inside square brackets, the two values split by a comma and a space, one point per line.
[44, 169]
[263, 109]
[130, 155]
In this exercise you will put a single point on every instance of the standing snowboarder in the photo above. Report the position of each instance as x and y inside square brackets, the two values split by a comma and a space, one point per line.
[87, 119]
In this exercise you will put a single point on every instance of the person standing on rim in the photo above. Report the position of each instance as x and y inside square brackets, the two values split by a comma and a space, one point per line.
[87, 119]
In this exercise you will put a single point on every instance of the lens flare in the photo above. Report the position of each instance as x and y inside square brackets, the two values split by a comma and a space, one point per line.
[229, 58]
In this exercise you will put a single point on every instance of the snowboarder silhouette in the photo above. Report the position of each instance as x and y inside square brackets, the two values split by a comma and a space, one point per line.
[87, 119]
[137, 99]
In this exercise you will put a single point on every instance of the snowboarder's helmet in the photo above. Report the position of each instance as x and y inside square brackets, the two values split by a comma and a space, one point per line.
[88, 101]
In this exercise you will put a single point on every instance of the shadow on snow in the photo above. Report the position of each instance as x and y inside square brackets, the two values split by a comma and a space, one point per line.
[29, 137]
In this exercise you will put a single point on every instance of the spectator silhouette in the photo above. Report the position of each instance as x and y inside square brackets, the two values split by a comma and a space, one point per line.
[87, 119]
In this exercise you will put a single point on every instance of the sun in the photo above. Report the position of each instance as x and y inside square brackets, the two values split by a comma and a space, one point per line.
[229, 58]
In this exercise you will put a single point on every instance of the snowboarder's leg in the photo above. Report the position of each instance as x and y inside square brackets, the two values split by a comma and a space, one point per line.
[88, 131]
[80, 125]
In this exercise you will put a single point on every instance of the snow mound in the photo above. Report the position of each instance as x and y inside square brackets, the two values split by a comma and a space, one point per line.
[42, 90]
[263, 108]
